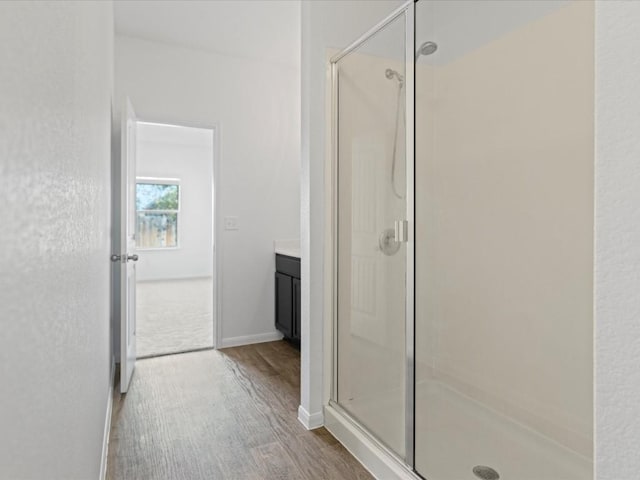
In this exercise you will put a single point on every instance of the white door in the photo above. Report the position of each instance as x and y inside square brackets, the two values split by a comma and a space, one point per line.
[127, 247]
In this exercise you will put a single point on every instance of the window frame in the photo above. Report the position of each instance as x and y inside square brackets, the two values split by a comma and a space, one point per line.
[160, 181]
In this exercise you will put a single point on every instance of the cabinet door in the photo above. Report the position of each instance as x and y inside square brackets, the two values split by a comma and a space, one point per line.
[284, 304]
[296, 308]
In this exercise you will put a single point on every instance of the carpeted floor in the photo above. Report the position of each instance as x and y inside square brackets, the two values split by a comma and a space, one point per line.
[174, 315]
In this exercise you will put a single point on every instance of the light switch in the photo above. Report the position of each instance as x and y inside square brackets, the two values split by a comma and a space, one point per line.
[231, 223]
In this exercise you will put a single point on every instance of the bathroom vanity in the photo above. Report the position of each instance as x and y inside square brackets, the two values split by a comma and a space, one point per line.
[287, 293]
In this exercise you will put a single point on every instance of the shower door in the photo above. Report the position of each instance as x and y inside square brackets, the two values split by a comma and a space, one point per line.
[373, 105]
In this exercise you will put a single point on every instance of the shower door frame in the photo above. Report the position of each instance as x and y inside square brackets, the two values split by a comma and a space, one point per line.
[408, 11]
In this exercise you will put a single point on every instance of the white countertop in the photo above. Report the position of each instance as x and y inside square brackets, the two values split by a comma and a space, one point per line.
[290, 248]
[290, 252]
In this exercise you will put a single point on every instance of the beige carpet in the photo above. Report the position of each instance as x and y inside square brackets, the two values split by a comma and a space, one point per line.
[174, 315]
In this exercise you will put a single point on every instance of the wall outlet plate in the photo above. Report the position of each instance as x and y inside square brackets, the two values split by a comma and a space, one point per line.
[231, 223]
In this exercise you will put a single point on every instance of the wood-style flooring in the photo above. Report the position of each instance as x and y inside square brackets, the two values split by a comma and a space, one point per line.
[221, 414]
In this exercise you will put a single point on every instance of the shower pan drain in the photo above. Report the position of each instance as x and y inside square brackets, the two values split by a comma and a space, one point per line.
[485, 473]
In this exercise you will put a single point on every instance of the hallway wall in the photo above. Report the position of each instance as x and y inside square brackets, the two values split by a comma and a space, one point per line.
[55, 359]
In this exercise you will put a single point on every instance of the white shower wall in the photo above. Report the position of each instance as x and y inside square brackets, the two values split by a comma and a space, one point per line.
[504, 216]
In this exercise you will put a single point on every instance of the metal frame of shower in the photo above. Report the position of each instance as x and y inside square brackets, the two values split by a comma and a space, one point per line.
[408, 11]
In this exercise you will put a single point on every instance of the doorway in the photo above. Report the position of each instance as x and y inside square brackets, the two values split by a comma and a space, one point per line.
[175, 284]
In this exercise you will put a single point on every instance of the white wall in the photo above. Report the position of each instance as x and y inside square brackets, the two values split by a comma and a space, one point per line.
[55, 357]
[256, 107]
[184, 153]
[617, 251]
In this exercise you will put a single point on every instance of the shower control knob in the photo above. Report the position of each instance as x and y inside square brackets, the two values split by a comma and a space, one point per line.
[401, 230]
[387, 242]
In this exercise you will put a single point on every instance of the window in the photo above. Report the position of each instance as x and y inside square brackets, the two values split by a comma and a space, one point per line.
[157, 209]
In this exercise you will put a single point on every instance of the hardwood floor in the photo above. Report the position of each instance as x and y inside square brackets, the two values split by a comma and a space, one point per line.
[221, 414]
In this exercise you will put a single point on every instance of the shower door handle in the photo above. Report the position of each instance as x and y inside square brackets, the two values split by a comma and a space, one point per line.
[401, 228]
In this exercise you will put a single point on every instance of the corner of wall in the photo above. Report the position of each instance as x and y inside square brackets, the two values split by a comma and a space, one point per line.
[311, 421]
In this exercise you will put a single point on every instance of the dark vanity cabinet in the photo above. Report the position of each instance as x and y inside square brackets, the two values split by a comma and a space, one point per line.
[288, 296]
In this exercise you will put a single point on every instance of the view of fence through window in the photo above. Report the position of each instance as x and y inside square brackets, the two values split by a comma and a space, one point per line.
[157, 207]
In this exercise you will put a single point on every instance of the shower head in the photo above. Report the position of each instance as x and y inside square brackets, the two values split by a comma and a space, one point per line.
[392, 73]
[427, 48]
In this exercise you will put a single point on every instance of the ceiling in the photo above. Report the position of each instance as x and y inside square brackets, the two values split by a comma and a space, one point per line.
[266, 30]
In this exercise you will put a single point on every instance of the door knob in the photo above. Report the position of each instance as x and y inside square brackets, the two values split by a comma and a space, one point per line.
[123, 258]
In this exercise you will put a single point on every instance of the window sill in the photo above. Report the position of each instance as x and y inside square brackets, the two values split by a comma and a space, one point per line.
[158, 249]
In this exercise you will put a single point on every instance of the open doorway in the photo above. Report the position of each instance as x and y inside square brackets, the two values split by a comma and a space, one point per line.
[175, 285]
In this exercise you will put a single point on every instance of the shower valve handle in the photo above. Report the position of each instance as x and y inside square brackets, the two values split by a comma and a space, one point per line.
[401, 229]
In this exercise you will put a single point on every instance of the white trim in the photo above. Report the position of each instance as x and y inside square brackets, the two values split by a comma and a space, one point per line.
[218, 227]
[410, 162]
[331, 256]
[157, 249]
[158, 180]
[177, 277]
[372, 31]
[310, 421]
[375, 459]
[250, 339]
[330, 195]
[107, 423]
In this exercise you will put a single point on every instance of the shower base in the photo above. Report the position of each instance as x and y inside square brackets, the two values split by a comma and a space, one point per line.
[455, 434]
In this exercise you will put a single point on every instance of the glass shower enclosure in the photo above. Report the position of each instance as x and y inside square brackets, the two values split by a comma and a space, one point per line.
[462, 136]
[373, 86]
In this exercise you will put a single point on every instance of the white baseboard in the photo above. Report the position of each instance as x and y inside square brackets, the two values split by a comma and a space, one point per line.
[107, 425]
[177, 277]
[310, 421]
[249, 339]
[380, 463]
